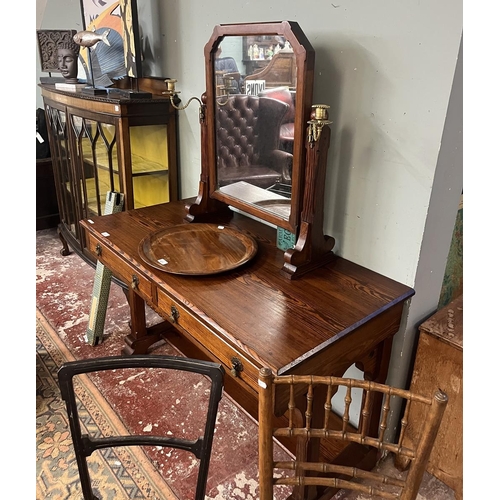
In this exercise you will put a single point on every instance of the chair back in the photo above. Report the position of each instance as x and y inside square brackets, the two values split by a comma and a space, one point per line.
[306, 425]
[85, 445]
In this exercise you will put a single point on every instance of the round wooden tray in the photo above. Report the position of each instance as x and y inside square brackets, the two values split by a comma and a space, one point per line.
[197, 249]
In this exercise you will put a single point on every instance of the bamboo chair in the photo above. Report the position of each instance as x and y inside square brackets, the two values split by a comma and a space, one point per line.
[329, 478]
[85, 445]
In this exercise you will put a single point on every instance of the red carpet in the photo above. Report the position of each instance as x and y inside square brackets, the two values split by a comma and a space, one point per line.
[63, 291]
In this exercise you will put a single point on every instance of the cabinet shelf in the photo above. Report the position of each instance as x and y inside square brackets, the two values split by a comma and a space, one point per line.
[100, 144]
[140, 165]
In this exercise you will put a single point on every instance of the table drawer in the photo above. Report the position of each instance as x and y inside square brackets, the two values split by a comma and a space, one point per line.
[235, 363]
[131, 277]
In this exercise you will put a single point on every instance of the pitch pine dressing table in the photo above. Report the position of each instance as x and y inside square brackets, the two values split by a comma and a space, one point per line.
[251, 317]
[300, 311]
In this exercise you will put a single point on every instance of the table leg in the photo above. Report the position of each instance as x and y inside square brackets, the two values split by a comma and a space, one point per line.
[141, 338]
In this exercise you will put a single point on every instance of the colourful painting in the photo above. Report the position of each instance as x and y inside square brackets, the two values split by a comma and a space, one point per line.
[131, 44]
[108, 61]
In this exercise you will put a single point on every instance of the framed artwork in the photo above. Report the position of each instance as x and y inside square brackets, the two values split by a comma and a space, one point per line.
[131, 42]
[108, 61]
[48, 40]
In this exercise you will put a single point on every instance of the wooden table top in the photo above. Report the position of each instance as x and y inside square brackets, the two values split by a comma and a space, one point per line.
[278, 321]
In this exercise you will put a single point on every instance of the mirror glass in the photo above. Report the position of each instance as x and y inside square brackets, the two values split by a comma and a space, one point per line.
[259, 86]
[255, 87]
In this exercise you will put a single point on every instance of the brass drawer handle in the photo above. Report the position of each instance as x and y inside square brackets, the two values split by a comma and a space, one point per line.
[237, 367]
[98, 250]
[135, 282]
[174, 315]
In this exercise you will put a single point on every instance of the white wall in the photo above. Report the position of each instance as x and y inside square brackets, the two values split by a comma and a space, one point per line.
[386, 69]
[55, 15]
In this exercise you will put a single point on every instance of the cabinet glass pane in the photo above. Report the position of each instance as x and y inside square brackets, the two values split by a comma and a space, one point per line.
[149, 151]
[97, 163]
[63, 173]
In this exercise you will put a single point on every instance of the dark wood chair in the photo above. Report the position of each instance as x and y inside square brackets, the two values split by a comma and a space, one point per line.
[85, 445]
[328, 478]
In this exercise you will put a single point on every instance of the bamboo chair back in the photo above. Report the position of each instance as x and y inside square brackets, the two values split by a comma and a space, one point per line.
[329, 478]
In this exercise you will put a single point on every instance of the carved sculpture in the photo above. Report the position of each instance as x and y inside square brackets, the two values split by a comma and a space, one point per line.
[48, 41]
[67, 60]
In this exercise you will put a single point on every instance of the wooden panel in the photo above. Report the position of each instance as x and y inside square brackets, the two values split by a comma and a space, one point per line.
[202, 333]
[143, 286]
[439, 363]
[280, 322]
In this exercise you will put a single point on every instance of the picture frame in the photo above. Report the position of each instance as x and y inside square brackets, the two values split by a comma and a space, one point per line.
[107, 59]
[131, 40]
[122, 56]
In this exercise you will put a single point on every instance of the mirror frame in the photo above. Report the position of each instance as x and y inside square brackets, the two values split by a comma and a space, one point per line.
[304, 54]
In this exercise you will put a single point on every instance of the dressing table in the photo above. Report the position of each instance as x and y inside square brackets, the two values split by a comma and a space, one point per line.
[315, 313]
[251, 317]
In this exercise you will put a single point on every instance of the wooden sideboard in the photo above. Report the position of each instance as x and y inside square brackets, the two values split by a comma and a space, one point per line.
[439, 363]
[109, 143]
[252, 317]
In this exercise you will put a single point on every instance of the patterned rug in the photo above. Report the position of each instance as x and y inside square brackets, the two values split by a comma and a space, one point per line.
[63, 298]
[120, 473]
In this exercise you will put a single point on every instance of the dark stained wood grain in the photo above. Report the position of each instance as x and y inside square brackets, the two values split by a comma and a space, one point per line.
[277, 321]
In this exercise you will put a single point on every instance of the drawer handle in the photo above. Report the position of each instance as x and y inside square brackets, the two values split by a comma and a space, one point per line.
[135, 282]
[174, 314]
[237, 367]
[98, 250]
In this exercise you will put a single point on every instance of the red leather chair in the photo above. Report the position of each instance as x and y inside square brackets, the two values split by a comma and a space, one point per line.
[287, 128]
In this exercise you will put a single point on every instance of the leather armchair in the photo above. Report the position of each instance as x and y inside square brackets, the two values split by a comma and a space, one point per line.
[287, 128]
[248, 138]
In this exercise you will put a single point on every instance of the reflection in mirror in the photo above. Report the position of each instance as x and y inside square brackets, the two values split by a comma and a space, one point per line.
[255, 85]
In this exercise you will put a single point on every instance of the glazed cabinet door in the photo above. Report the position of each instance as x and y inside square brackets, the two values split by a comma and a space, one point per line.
[64, 173]
[94, 144]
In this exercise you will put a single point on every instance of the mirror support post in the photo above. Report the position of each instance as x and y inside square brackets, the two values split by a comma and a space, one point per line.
[313, 249]
[204, 206]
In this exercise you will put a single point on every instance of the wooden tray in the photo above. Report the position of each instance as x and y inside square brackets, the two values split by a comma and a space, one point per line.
[197, 249]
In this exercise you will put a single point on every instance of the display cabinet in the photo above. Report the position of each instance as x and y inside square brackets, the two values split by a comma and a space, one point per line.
[258, 50]
[109, 143]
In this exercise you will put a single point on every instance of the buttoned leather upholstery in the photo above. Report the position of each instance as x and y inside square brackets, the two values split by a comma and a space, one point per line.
[248, 137]
[287, 129]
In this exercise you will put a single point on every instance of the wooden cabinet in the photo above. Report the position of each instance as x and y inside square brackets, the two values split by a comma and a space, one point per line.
[257, 52]
[439, 363]
[109, 143]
